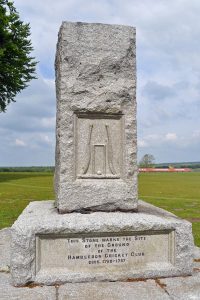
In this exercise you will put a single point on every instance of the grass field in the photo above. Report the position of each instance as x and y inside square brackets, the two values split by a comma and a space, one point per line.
[18, 189]
[175, 192]
[178, 193]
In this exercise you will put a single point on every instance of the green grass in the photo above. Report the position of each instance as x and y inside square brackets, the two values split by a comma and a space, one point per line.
[175, 192]
[18, 189]
[178, 193]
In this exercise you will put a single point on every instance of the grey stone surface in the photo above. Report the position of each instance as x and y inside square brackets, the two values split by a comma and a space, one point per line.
[183, 288]
[196, 253]
[41, 219]
[8, 292]
[5, 236]
[112, 291]
[173, 289]
[96, 165]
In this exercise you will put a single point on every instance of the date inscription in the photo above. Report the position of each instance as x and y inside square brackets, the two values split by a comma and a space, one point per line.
[94, 253]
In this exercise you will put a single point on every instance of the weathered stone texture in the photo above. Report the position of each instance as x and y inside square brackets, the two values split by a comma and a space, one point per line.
[41, 219]
[113, 291]
[175, 288]
[8, 292]
[196, 253]
[96, 167]
[184, 287]
[5, 236]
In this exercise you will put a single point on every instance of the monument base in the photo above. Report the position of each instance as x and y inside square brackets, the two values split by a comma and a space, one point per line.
[48, 248]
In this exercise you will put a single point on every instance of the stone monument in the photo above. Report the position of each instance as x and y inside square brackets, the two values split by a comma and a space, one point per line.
[96, 164]
[97, 230]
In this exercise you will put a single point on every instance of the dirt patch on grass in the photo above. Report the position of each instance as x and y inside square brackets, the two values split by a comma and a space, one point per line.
[193, 220]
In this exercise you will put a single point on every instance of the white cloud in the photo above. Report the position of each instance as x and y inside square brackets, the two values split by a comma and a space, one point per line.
[152, 137]
[46, 139]
[142, 144]
[196, 134]
[19, 142]
[171, 137]
[48, 122]
[49, 82]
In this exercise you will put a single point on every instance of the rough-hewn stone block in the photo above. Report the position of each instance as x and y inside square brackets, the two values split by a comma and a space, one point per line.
[49, 248]
[96, 167]
[9, 292]
[113, 291]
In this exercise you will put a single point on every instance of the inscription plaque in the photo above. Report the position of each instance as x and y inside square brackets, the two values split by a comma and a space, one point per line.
[99, 145]
[105, 252]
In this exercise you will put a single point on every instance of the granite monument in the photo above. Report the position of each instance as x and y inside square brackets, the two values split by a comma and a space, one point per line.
[97, 230]
[96, 163]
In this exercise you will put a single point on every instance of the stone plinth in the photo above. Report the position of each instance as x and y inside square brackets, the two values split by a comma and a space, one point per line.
[178, 288]
[49, 248]
[96, 165]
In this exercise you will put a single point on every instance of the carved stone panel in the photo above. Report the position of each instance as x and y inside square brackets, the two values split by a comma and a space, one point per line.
[113, 252]
[98, 146]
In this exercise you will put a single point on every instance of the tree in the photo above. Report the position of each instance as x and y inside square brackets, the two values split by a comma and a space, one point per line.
[147, 161]
[17, 67]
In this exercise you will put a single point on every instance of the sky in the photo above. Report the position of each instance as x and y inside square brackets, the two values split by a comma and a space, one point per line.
[168, 78]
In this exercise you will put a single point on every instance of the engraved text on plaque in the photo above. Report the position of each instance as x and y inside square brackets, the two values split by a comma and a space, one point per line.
[101, 252]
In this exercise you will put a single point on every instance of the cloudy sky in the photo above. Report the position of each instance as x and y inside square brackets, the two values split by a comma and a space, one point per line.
[168, 70]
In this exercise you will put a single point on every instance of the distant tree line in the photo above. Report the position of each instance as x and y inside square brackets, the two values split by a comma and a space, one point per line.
[27, 169]
[191, 165]
[148, 161]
